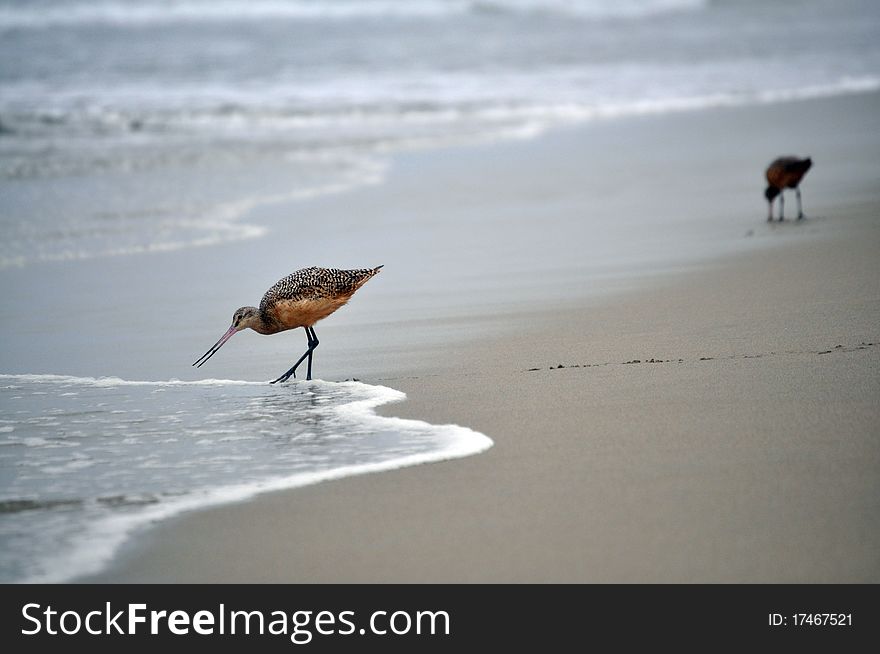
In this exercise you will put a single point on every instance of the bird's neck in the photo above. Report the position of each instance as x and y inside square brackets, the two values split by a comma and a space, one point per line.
[263, 328]
[259, 324]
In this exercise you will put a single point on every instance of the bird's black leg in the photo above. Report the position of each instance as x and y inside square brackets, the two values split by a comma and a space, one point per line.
[313, 343]
[292, 371]
[781, 208]
[308, 353]
[769, 210]
[797, 191]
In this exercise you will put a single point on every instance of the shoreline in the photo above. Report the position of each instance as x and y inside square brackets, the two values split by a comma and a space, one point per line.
[711, 468]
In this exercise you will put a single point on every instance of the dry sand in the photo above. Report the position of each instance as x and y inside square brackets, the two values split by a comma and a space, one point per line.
[717, 425]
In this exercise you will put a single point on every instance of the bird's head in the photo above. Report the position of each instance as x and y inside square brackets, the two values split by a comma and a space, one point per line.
[771, 192]
[243, 318]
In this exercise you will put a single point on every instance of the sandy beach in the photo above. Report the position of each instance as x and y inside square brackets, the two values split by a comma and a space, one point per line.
[713, 420]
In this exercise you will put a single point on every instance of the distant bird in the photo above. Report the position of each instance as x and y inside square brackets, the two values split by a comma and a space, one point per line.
[299, 300]
[783, 173]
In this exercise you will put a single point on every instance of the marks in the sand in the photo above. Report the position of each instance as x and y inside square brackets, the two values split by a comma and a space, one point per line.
[836, 349]
[652, 360]
[842, 348]
[574, 365]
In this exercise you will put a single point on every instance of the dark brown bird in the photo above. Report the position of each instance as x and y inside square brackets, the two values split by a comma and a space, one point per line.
[783, 173]
[299, 300]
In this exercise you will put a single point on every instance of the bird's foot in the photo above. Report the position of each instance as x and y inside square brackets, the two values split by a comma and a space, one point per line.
[800, 216]
[781, 218]
[283, 378]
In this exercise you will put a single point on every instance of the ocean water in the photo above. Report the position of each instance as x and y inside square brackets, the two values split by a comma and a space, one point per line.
[142, 131]
[86, 463]
[185, 116]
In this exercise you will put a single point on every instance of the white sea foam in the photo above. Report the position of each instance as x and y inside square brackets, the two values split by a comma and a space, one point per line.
[503, 121]
[150, 12]
[109, 382]
[96, 527]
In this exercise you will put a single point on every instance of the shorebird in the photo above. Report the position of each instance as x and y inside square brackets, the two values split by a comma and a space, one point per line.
[299, 300]
[783, 173]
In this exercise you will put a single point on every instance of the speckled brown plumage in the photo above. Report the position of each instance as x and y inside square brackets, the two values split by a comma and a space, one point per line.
[309, 295]
[299, 300]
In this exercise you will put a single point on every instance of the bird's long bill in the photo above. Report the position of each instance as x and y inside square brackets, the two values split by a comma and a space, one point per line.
[207, 355]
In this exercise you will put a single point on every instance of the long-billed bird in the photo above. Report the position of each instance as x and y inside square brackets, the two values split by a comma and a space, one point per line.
[299, 300]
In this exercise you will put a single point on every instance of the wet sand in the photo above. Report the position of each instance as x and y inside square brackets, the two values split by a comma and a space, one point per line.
[716, 423]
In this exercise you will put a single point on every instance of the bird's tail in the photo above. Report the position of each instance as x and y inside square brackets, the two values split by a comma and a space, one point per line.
[363, 275]
[371, 272]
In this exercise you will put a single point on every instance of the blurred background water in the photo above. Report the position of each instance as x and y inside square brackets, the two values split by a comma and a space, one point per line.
[183, 116]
